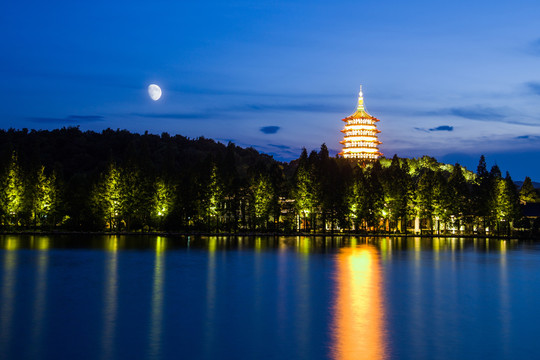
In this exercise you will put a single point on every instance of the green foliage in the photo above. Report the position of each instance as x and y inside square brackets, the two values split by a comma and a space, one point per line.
[442, 198]
[211, 198]
[304, 192]
[13, 190]
[423, 200]
[459, 192]
[528, 193]
[109, 197]
[506, 207]
[45, 197]
[262, 198]
[396, 184]
[62, 178]
[163, 199]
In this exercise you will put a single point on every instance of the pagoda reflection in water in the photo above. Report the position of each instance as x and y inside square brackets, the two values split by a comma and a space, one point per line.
[359, 320]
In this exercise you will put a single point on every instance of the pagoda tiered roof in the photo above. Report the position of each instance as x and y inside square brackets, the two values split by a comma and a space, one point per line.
[360, 114]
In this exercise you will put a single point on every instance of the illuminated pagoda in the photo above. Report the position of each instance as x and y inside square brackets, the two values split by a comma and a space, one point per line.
[360, 140]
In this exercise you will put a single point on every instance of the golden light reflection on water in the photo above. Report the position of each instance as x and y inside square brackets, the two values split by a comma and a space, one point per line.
[303, 293]
[210, 316]
[11, 243]
[504, 294]
[42, 243]
[111, 297]
[157, 299]
[7, 299]
[359, 319]
[303, 244]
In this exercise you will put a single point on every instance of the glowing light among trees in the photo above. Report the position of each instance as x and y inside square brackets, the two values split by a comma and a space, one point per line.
[262, 198]
[109, 197]
[13, 192]
[163, 198]
[45, 196]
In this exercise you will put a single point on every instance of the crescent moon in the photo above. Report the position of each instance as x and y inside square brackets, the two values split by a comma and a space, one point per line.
[154, 91]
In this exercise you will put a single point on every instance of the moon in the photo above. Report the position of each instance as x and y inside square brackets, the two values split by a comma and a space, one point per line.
[154, 91]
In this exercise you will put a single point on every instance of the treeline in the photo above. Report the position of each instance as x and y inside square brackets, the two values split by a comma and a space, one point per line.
[119, 181]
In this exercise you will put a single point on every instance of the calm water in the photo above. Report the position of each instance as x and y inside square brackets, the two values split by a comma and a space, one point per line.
[112, 297]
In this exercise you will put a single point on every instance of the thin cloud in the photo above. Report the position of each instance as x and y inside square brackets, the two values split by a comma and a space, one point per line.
[304, 107]
[228, 111]
[85, 118]
[534, 87]
[72, 119]
[101, 79]
[534, 47]
[478, 113]
[473, 113]
[532, 138]
[269, 129]
[438, 128]
[283, 147]
[442, 128]
[194, 90]
[178, 116]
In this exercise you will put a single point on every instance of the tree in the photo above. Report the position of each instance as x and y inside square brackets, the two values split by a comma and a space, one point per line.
[261, 200]
[528, 193]
[482, 194]
[374, 208]
[441, 199]
[331, 189]
[424, 196]
[45, 197]
[507, 201]
[494, 186]
[210, 198]
[163, 200]
[13, 192]
[109, 198]
[231, 188]
[459, 194]
[481, 169]
[396, 190]
[304, 189]
[356, 197]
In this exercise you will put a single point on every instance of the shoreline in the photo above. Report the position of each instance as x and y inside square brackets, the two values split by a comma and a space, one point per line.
[270, 234]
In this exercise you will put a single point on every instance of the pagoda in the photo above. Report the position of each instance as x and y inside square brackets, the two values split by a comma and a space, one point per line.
[360, 140]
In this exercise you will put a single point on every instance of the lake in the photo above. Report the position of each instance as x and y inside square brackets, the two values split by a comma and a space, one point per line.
[147, 297]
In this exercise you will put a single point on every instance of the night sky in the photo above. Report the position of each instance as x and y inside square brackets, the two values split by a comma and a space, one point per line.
[449, 79]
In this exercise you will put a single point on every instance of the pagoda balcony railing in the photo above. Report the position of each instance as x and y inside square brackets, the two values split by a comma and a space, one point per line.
[361, 156]
[360, 121]
[360, 151]
[371, 127]
[349, 138]
[370, 132]
[362, 144]
[371, 143]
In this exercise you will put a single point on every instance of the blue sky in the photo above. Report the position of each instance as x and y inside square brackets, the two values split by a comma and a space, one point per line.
[453, 80]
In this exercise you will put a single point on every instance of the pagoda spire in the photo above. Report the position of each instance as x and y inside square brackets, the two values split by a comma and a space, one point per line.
[360, 100]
